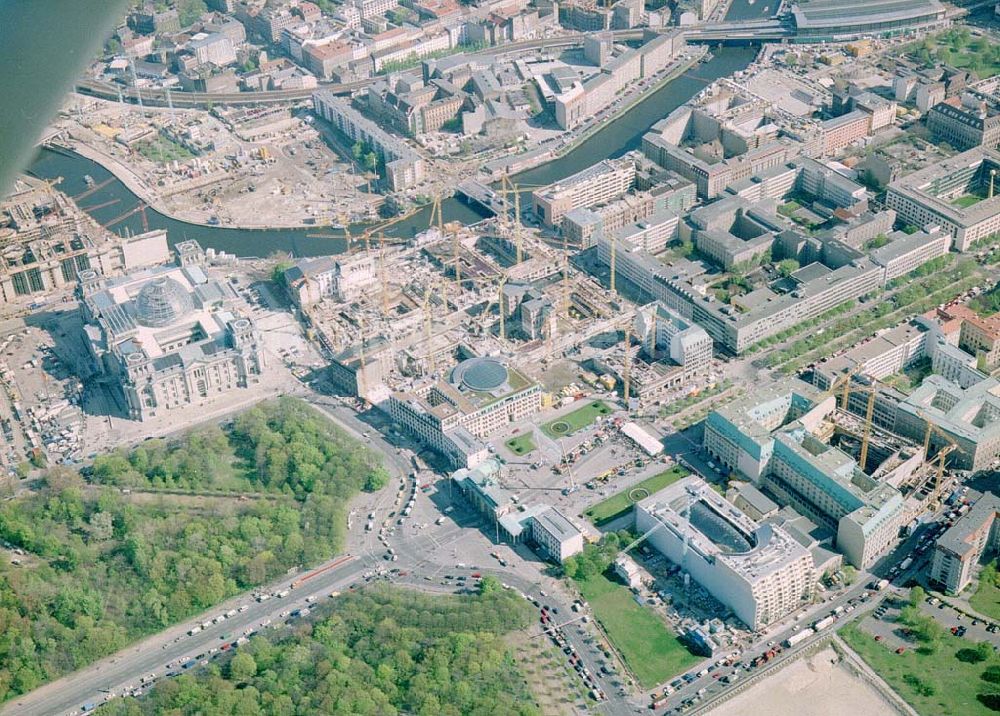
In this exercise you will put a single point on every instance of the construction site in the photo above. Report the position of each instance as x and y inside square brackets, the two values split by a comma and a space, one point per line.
[214, 167]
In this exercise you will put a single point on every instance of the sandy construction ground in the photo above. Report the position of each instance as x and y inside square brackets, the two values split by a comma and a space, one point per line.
[817, 686]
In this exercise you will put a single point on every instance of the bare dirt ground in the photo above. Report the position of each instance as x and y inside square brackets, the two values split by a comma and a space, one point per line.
[814, 686]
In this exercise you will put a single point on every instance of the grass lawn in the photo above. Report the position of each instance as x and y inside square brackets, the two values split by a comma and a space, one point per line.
[651, 650]
[986, 600]
[617, 505]
[521, 444]
[933, 684]
[162, 149]
[577, 420]
[967, 200]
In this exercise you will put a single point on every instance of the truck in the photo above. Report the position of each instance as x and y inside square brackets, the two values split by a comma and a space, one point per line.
[905, 564]
[194, 630]
[799, 637]
[824, 622]
[878, 584]
[283, 593]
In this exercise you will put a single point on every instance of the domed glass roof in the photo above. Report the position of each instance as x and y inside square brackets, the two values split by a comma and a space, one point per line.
[480, 374]
[161, 302]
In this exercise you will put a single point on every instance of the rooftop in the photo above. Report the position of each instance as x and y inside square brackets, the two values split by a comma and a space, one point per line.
[718, 530]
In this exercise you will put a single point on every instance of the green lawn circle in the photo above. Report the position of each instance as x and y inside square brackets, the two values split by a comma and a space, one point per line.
[560, 427]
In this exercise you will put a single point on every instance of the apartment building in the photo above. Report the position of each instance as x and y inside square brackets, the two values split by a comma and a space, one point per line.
[403, 166]
[965, 123]
[960, 548]
[597, 184]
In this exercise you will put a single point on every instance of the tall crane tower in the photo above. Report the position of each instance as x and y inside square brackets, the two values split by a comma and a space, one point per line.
[627, 372]
[428, 331]
[500, 302]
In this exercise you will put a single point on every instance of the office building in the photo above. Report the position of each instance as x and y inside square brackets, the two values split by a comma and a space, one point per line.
[957, 194]
[968, 417]
[885, 354]
[907, 252]
[979, 336]
[739, 434]
[554, 535]
[168, 337]
[756, 570]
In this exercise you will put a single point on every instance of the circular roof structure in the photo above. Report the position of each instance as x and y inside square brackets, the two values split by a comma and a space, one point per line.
[161, 302]
[480, 374]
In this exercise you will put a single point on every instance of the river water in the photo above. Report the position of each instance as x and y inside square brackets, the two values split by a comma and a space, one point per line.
[622, 133]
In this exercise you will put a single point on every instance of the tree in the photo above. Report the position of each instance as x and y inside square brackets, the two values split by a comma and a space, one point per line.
[489, 585]
[787, 266]
[358, 151]
[242, 667]
[188, 11]
[101, 526]
[376, 480]
[917, 595]
[371, 161]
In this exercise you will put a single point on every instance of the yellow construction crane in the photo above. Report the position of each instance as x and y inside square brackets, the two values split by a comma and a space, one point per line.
[627, 372]
[428, 330]
[500, 301]
[869, 410]
[436, 213]
[614, 251]
[951, 447]
[518, 237]
[382, 276]
[361, 366]
[455, 256]
[566, 285]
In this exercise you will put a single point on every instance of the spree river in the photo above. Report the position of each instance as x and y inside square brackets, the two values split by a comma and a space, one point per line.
[621, 134]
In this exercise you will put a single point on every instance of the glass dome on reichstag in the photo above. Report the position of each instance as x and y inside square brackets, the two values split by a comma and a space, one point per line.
[161, 302]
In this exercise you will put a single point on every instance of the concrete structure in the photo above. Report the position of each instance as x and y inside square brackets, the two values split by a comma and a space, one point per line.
[757, 570]
[168, 337]
[342, 278]
[959, 549]
[928, 196]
